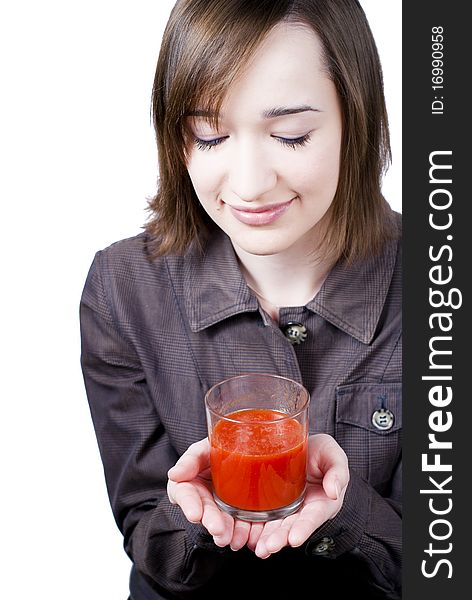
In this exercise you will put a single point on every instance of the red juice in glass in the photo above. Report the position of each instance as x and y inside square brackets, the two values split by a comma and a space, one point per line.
[259, 450]
[258, 462]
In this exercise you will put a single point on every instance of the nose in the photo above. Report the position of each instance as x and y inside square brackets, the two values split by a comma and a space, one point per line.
[251, 173]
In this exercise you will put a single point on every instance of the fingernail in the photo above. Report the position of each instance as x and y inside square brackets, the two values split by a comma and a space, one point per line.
[235, 547]
[260, 550]
[296, 541]
[338, 488]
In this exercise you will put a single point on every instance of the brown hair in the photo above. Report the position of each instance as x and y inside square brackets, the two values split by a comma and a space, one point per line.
[205, 47]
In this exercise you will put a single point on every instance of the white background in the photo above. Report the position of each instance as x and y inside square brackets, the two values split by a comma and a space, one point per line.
[77, 162]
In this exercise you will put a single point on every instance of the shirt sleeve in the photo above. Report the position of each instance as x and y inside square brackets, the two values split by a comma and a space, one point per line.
[136, 453]
[369, 529]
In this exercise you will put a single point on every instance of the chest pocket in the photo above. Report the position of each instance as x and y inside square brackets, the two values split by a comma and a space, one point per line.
[368, 428]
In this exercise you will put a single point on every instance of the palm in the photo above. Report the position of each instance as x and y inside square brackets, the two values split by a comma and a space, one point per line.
[316, 509]
[190, 487]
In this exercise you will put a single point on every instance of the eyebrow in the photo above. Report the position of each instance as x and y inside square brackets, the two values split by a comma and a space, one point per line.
[281, 111]
[271, 113]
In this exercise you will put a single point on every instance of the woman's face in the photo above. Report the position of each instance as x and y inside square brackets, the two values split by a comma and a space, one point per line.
[268, 173]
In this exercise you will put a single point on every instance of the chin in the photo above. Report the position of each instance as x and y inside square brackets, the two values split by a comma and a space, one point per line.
[263, 245]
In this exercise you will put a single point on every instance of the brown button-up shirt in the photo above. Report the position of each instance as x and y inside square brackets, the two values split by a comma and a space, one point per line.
[157, 334]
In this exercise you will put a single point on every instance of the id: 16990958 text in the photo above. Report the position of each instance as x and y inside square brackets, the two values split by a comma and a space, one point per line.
[437, 69]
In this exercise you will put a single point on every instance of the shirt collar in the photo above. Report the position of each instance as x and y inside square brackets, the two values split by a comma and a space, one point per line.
[351, 298]
[214, 287]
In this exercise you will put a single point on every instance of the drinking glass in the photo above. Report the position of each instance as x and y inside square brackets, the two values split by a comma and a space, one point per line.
[258, 432]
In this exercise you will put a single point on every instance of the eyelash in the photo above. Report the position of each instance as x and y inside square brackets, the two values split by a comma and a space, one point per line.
[208, 144]
[293, 143]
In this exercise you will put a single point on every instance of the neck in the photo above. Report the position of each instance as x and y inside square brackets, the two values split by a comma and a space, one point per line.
[291, 278]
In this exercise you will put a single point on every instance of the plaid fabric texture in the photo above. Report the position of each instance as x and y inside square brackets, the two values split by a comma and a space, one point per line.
[157, 334]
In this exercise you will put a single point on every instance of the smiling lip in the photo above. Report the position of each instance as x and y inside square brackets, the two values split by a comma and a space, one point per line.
[263, 215]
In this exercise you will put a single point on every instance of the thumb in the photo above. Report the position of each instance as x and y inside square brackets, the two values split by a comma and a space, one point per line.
[192, 462]
[332, 464]
[332, 485]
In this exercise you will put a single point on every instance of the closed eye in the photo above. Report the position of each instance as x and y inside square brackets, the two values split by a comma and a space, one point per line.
[288, 142]
[207, 144]
[293, 142]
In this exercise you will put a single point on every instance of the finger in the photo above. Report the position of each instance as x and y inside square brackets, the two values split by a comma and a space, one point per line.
[332, 487]
[194, 460]
[218, 523]
[221, 528]
[277, 538]
[186, 495]
[309, 519]
[300, 532]
[328, 462]
[335, 483]
[240, 534]
[270, 529]
[254, 535]
[261, 550]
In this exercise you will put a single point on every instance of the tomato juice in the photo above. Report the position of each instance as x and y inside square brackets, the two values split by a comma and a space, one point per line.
[258, 459]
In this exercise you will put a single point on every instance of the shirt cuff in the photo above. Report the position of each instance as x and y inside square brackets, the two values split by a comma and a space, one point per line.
[343, 532]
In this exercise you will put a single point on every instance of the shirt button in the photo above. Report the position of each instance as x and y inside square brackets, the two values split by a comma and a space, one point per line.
[324, 546]
[296, 333]
[383, 419]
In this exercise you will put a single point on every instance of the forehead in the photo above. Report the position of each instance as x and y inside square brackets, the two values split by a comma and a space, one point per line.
[287, 67]
[287, 41]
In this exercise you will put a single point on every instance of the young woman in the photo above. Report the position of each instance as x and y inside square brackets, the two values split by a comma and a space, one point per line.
[270, 249]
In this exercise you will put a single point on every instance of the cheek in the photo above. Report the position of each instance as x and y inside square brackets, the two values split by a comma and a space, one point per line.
[320, 173]
[204, 176]
[313, 181]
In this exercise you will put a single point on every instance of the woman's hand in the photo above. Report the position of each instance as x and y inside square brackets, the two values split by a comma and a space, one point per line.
[327, 479]
[189, 486]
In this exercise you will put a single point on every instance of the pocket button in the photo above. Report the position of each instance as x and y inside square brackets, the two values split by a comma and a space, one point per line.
[383, 419]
